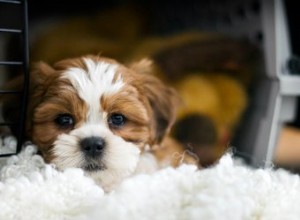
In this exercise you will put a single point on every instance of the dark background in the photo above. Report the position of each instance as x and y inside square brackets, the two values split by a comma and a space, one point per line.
[164, 13]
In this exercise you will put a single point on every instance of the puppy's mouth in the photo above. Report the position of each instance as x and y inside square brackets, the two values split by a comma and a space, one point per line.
[93, 167]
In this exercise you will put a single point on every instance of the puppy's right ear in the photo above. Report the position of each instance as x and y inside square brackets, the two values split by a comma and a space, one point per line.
[40, 77]
[40, 72]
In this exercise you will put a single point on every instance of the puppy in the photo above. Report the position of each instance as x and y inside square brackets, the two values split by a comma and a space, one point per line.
[94, 113]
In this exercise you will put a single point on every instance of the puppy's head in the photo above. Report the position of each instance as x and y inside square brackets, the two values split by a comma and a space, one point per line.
[96, 114]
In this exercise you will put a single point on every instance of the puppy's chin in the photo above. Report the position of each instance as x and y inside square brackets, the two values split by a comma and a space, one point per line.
[118, 160]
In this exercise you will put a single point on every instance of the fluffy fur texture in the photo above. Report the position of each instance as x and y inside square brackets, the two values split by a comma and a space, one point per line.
[94, 113]
[31, 189]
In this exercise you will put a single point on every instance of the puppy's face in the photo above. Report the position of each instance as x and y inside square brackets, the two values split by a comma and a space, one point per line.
[98, 115]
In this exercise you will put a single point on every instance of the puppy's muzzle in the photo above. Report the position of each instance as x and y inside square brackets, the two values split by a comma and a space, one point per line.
[92, 147]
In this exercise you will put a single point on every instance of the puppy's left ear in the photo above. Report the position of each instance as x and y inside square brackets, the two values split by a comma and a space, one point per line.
[163, 100]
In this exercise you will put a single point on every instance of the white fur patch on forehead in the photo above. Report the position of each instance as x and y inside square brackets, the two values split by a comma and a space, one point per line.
[97, 80]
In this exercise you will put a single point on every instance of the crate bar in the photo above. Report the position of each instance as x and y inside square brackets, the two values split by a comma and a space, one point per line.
[10, 2]
[9, 30]
[10, 92]
[7, 155]
[11, 63]
[25, 66]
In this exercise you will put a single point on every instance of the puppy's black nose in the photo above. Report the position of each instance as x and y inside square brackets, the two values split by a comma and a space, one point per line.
[92, 146]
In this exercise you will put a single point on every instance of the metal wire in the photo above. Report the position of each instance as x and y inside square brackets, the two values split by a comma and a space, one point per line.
[25, 65]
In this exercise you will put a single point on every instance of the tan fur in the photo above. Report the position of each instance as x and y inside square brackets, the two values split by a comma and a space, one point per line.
[171, 152]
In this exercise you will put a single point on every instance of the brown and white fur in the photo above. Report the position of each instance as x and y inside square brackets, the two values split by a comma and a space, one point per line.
[96, 114]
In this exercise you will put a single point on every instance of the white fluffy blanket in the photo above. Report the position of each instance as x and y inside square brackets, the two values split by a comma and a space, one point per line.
[30, 189]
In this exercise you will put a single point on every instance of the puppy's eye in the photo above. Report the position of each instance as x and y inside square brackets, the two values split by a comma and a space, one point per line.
[65, 121]
[116, 120]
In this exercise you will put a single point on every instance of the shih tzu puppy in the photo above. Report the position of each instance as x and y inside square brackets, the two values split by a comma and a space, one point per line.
[94, 113]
